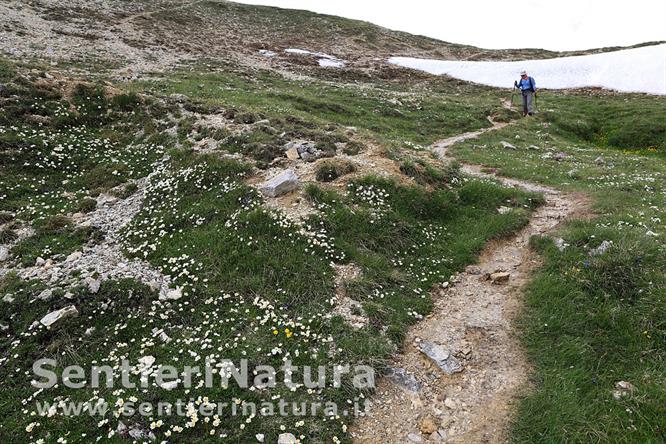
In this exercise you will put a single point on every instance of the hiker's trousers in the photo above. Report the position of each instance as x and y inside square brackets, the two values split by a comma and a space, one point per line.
[528, 97]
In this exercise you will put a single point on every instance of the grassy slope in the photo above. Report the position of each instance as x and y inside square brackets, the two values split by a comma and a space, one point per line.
[246, 272]
[607, 328]
[386, 111]
[591, 322]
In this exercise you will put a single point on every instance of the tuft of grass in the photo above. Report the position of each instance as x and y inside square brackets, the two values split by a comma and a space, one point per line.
[426, 174]
[329, 170]
[352, 148]
[6, 217]
[126, 191]
[7, 235]
[86, 205]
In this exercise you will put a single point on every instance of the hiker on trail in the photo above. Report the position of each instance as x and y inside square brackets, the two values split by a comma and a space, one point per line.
[527, 86]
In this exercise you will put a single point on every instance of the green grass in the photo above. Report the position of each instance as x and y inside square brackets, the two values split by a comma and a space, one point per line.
[55, 236]
[593, 321]
[246, 274]
[330, 170]
[419, 117]
[88, 145]
[257, 285]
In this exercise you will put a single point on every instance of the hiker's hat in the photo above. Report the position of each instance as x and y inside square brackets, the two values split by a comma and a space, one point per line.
[523, 73]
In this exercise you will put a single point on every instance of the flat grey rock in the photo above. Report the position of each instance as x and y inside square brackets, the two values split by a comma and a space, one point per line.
[284, 183]
[442, 357]
[52, 318]
[404, 379]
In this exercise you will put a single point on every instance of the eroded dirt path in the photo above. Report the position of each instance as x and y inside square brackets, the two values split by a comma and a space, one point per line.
[472, 322]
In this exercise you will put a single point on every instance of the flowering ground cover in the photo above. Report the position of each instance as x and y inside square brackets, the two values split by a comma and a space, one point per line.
[245, 281]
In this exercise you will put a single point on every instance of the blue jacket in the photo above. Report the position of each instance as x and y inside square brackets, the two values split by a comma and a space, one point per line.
[527, 84]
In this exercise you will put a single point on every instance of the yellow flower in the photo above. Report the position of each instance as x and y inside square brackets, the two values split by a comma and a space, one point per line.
[288, 332]
[275, 332]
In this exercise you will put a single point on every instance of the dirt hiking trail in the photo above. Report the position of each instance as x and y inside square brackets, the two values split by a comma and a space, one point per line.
[468, 395]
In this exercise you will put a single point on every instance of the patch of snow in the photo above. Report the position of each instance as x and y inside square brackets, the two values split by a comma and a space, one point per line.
[267, 53]
[628, 70]
[327, 63]
[308, 53]
[325, 60]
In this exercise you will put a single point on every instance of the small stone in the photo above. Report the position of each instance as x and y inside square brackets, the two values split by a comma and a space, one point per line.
[428, 426]
[292, 154]
[93, 284]
[284, 183]
[560, 244]
[286, 438]
[89, 331]
[50, 319]
[441, 357]
[169, 385]
[401, 377]
[40, 261]
[450, 404]
[172, 295]
[601, 249]
[624, 385]
[500, 277]
[147, 361]
[507, 145]
[74, 256]
[4, 254]
[622, 389]
[140, 434]
[69, 295]
[599, 160]
[260, 437]
[158, 332]
[413, 437]
[45, 295]
[106, 200]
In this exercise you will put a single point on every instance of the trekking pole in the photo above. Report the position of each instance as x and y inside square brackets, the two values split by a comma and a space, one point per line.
[513, 92]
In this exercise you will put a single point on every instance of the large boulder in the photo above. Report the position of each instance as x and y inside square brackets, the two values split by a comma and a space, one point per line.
[284, 183]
